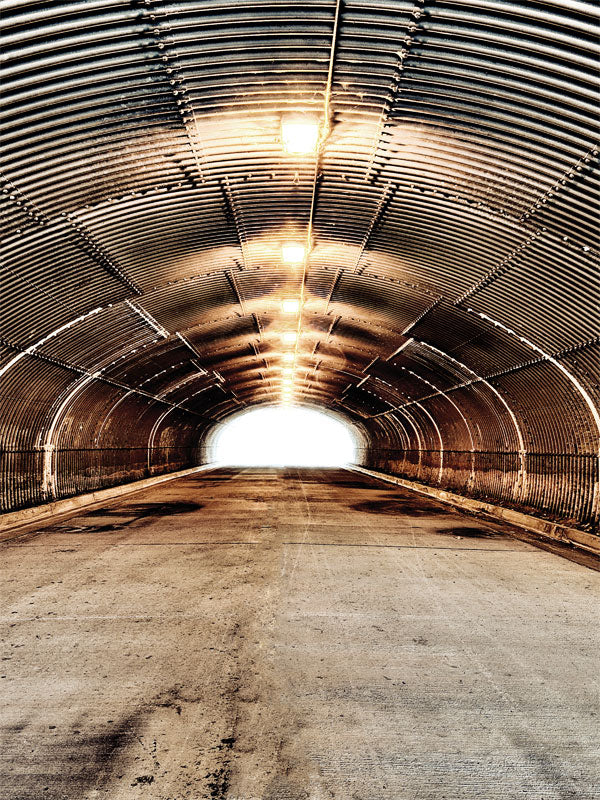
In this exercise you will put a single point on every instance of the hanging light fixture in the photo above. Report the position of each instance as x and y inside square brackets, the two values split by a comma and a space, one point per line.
[293, 253]
[300, 133]
[290, 306]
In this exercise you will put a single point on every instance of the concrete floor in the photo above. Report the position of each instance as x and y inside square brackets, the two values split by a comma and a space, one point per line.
[285, 635]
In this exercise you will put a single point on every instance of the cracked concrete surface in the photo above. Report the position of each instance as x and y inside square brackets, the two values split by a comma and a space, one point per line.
[263, 634]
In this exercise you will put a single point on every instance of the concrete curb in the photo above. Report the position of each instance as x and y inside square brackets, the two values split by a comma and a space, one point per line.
[543, 527]
[27, 516]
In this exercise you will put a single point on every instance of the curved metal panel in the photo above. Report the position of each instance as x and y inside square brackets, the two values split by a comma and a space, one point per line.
[449, 275]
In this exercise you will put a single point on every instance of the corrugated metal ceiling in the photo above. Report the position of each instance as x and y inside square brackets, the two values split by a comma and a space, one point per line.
[450, 210]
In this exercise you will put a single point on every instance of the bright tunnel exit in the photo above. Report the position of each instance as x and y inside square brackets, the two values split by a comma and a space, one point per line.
[284, 436]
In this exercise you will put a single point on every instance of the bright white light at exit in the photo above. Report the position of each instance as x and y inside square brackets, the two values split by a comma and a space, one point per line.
[284, 436]
[292, 253]
[299, 134]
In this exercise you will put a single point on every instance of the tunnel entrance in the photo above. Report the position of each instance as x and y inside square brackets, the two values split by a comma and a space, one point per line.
[280, 436]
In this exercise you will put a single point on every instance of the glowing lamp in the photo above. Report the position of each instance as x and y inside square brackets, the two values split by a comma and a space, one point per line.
[300, 134]
[292, 253]
[290, 306]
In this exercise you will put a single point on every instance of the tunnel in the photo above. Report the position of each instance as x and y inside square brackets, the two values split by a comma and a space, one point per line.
[444, 215]
[382, 210]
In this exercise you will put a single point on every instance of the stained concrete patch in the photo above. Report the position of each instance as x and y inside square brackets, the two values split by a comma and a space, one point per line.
[466, 532]
[89, 756]
[132, 515]
[347, 483]
[407, 508]
[142, 510]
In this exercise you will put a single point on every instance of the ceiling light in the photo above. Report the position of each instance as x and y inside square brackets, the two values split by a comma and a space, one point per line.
[300, 134]
[290, 337]
[290, 306]
[293, 253]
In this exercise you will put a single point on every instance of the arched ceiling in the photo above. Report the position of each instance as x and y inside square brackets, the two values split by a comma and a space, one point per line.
[448, 215]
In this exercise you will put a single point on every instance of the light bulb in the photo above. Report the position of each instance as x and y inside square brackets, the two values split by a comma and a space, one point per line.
[292, 253]
[290, 306]
[300, 134]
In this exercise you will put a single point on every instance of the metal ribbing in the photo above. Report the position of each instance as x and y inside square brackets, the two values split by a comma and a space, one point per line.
[451, 215]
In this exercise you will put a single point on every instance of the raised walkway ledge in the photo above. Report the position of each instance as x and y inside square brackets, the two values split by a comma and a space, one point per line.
[543, 527]
[33, 514]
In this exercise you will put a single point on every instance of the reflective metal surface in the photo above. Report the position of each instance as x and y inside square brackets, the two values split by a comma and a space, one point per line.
[449, 292]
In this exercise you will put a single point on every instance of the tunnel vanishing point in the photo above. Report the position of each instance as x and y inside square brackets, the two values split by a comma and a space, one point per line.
[384, 209]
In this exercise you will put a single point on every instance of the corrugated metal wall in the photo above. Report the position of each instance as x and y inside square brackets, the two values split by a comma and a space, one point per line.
[449, 289]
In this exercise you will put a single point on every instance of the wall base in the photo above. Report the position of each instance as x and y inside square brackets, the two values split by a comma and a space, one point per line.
[27, 516]
[543, 527]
